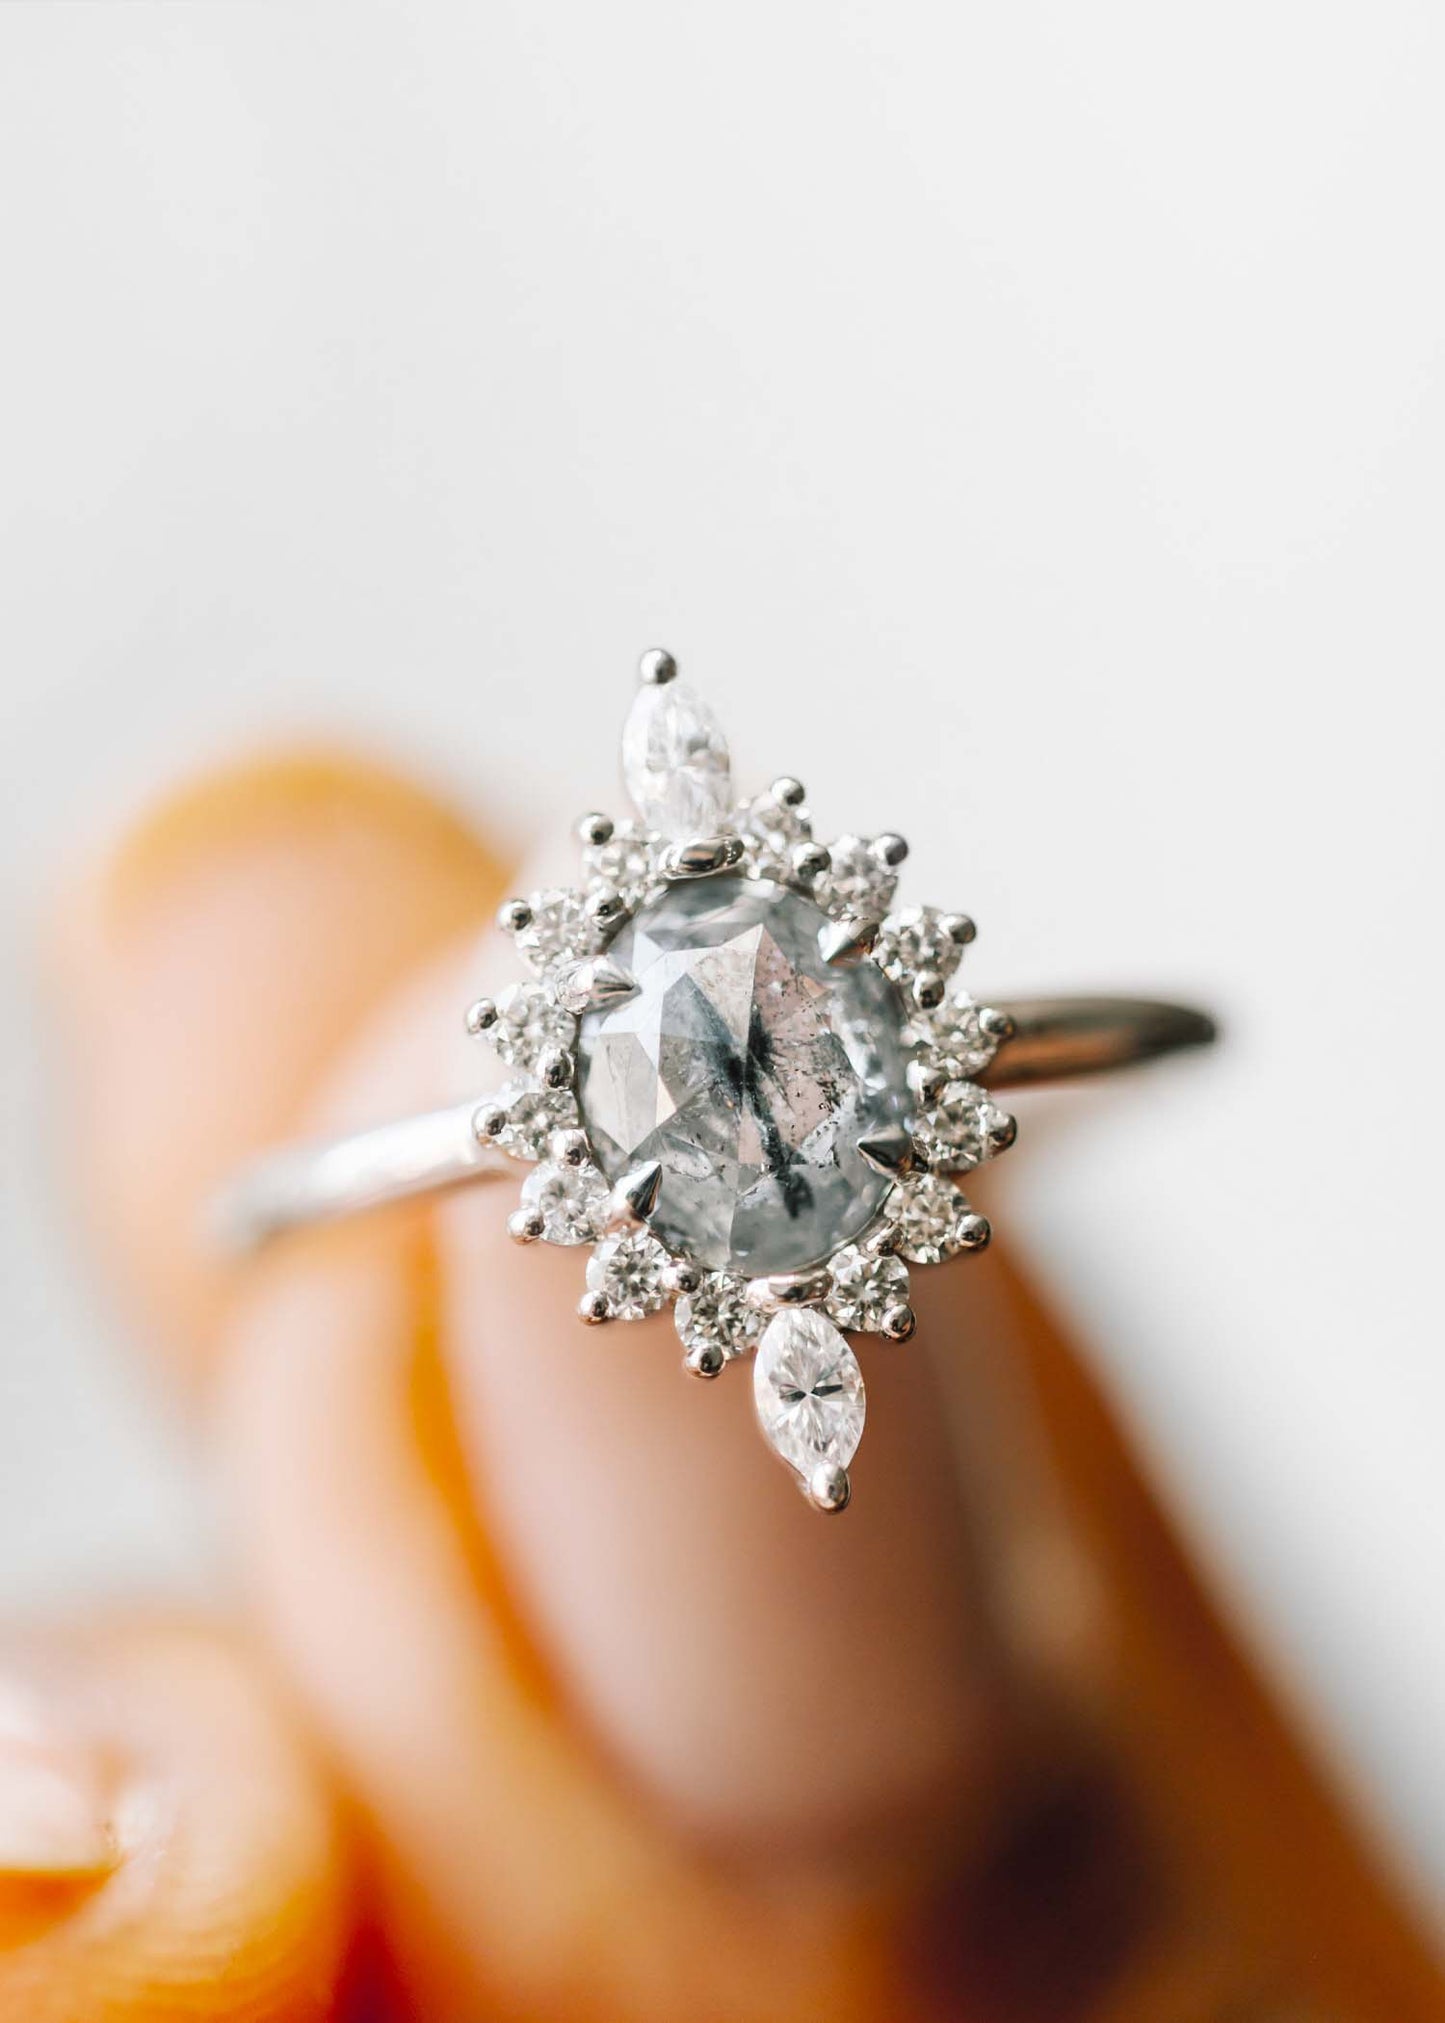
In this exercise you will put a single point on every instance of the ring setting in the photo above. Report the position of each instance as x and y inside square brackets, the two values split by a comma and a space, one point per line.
[758, 1074]
[743, 1076]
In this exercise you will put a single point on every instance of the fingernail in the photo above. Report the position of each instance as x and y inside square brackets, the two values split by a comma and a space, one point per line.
[53, 1817]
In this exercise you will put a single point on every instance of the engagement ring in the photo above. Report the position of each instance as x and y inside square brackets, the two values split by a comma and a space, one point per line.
[740, 1075]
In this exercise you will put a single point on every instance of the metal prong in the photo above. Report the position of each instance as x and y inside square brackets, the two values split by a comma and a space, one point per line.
[513, 915]
[594, 985]
[701, 857]
[481, 1016]
[890, 849]
[634, 1197]
[888, 1150]
[1003, 1133]
[789, 1289]
[927, 1080]
[828, 1488]
[595, 829]
[525, 1226]
[974, 1232]
[569, 1147]
[681, 1278]
[959, 929]
[929, 989]
[788, 792]
[594, 1309]
[705, 1359]
[882, 1241]
[489, 1121]
[608, 908]
[898, 1322]
[656, 667]
[998, 1025]
[556, 1067]
[808, 862]
[844, 942]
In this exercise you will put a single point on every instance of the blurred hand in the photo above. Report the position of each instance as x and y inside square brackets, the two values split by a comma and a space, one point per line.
[558, 1701]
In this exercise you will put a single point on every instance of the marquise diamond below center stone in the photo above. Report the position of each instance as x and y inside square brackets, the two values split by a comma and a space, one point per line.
[749, 1067]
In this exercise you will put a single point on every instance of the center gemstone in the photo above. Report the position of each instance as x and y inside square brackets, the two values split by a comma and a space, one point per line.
[749, 1067]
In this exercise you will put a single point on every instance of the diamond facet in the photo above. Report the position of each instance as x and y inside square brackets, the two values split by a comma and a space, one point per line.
[808, 1391]
[569, 1199]
[749, 1068]
[675, 762]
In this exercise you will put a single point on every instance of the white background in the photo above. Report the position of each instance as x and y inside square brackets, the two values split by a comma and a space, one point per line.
[1030, 417]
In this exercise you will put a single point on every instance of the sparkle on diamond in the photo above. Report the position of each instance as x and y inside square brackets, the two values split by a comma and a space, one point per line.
[749, 1067]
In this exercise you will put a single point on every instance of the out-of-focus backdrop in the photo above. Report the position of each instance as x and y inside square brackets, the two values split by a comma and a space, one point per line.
[1026, 423]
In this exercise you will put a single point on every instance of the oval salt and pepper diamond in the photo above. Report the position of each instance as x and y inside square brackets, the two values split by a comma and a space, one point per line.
[749, 1066]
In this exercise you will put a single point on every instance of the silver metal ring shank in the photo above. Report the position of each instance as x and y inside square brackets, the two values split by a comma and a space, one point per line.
[1054, 1039]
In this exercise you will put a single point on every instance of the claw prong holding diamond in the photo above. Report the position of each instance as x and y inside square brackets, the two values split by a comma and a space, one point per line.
[888, 1151]
[899, 1322]
[788, 1289]
[569, 1148]
[634, 1198]
[958, 928]
[556, 1067]
[998, 1025]
[701, 857]
[481, 1016]
[808, 862]
[704, 1359]
[489, 1121]
[890, 849]
[594, 985]
[928, 989]
[846, 941]
[514, 916]
[656, 667]
[594, 1308]
[680, 1279]
[788, 792]
[525, 1225]
[828, 1488]
[595, 829]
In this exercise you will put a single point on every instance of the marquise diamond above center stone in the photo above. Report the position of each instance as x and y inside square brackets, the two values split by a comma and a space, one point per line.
[749, 1066]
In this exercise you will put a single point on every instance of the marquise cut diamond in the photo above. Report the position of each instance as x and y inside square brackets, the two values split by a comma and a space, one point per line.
[808, 1390]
